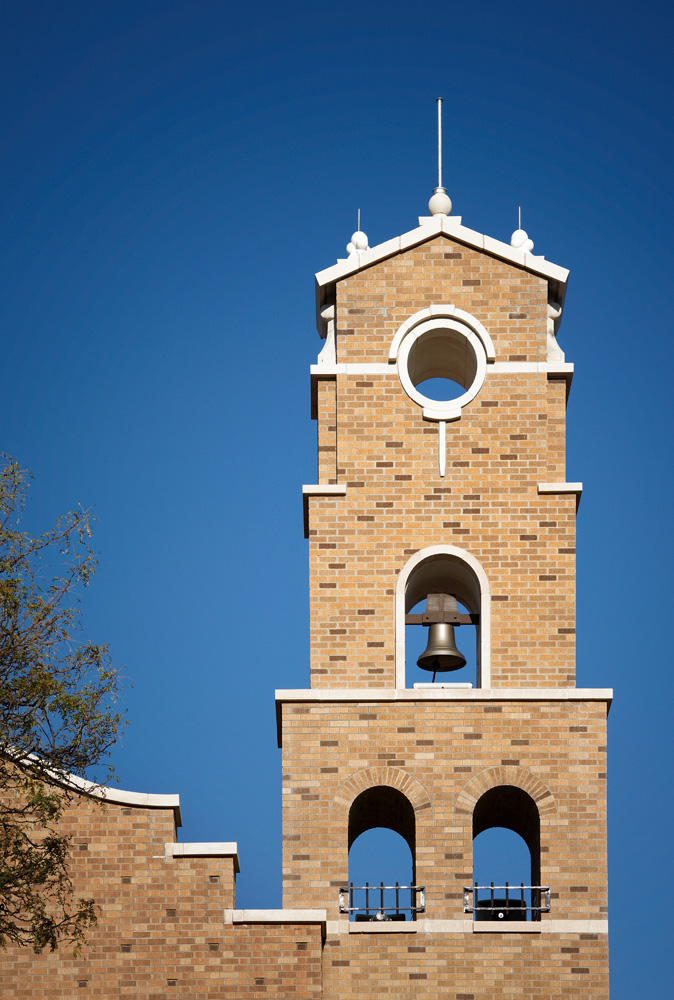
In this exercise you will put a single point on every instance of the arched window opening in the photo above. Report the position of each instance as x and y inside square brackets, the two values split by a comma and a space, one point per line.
[442, 604]
[506, 857]
[382, 842]
[500, 856]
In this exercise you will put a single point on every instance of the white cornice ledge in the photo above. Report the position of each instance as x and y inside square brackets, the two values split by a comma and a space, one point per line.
[444, 694]
[326, 490]
[560, 489]
[217, 849]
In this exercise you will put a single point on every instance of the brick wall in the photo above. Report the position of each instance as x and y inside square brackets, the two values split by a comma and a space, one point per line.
[442, 755]
[162, 932]
[497, 966]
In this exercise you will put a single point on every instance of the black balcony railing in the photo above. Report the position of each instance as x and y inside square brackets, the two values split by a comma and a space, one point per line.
[382, 902]
[506, 902]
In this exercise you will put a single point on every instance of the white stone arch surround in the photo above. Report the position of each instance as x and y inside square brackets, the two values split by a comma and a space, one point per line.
[441, 311]
[426, 569]
[437, 341]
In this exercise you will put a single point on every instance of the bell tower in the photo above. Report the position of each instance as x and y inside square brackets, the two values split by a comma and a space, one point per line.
[442, 517]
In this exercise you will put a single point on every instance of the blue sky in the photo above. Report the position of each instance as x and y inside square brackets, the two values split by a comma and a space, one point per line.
[173, 175]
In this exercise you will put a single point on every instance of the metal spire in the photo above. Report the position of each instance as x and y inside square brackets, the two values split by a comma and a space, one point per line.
[440, 204]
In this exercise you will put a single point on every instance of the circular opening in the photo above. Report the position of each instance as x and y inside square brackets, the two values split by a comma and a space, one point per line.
[441, 366]
[443, 360]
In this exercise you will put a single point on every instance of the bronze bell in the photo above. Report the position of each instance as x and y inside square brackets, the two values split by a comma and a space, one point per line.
[441, 652]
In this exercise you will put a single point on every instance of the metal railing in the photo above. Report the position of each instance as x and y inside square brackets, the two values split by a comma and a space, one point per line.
[506, 902]
[382, 902]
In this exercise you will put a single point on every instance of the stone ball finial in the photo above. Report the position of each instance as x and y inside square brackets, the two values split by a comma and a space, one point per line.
[520, 241]
[440, 203]
[358, 243]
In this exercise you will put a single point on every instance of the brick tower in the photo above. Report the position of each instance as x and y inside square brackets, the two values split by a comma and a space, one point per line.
[467, 497]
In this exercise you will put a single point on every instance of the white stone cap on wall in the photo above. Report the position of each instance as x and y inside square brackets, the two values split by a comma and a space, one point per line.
[216, 849]
[119, 797]
[561, 488]
[276, 917]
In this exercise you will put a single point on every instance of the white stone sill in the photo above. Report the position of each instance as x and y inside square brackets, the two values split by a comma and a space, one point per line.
[467, 926]
[385, 927]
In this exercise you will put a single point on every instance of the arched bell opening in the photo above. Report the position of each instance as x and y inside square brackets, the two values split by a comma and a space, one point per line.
[382, 869]
[506, 856]
[442, 620]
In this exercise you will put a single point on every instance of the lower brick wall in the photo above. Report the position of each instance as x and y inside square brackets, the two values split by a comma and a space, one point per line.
[162, 932]
[498, 966]
[197, 963]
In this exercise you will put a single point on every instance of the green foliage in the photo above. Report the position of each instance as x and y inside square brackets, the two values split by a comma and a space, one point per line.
[56, 718]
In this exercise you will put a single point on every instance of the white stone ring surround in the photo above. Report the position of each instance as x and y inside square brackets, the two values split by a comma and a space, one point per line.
[433, 321]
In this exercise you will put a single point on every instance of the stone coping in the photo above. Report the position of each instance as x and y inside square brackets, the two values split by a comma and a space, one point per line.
[120, 797]
[445, 694]
[216, 849]
[276, 917]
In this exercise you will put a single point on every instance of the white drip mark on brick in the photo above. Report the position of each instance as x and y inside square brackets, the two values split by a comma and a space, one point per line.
[442, 447]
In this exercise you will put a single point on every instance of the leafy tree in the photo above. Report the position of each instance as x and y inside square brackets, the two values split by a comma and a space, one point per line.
[56, 718]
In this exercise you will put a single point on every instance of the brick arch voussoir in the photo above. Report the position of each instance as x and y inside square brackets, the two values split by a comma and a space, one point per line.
[369, 777]
[491, 777]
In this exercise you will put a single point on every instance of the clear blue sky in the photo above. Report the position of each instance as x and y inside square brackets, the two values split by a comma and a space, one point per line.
[172, 175]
